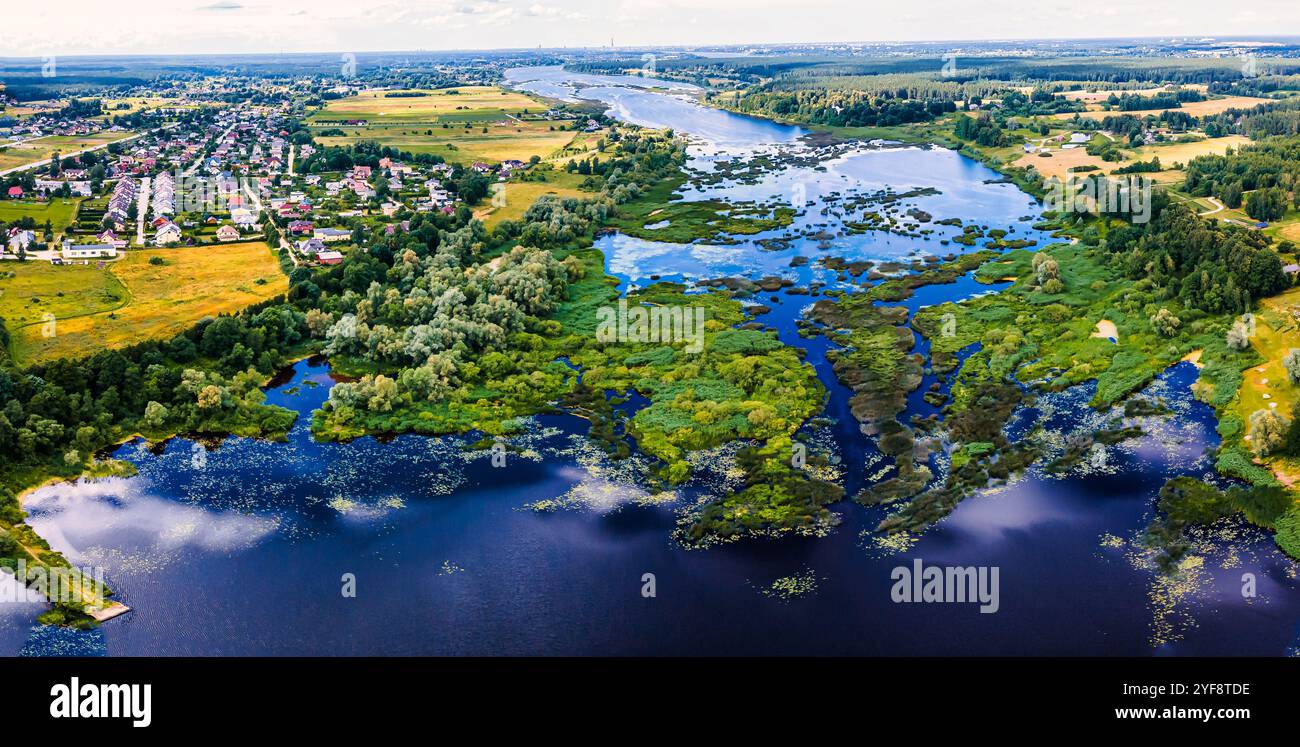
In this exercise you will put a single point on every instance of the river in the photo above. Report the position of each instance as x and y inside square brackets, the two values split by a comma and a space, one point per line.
[243, 547]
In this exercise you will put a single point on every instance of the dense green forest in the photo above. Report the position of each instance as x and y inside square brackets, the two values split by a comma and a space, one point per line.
[1261, 177]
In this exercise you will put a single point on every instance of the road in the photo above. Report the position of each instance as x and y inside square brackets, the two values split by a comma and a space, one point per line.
[251, 192]
[141, 208]
[101, 146]
[199, 161]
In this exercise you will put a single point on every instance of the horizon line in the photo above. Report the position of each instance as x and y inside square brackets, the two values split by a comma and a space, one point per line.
[898, 42]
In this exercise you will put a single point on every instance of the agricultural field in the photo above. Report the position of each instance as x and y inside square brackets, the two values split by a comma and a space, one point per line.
[1172, 153]
[1194, 108]
[59, 211]
[467, 103]
[21, 154]
[132, 104]
[131, 300]
[437, 124]
[1098, 97]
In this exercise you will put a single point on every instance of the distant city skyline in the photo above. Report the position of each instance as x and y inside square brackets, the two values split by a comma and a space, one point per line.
[158, 27]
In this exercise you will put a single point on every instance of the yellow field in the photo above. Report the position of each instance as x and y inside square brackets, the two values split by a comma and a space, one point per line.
[516, 140]
[1290, 232]
[416, 125]
[159, 300]
[1266, 386]
[520, 195]
[1184, 152]
[1194, 108]
[38, 150]
[1062, 161]
[137, 104]
[35, 107]
[1094, 97]
[439, 106]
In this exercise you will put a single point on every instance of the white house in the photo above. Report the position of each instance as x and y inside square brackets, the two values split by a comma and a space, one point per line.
[168, 233]
[20, 240]
[99, 251]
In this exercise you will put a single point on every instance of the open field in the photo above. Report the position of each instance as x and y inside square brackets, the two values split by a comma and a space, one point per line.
[158, 300]
[467, 103]
[520, 195]
[39, 288]
[436, 124]
[517, 140]
[59, 211]
[1097, 97]
[133, 104]
[1172, 153]
[1265, 386]
[1061, 161]
[30, 108]
[1193, 108]
[21, 154]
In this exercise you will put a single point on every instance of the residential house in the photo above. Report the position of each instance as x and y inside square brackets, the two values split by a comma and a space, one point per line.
[88, 252]
[331, 235]
[167, 234]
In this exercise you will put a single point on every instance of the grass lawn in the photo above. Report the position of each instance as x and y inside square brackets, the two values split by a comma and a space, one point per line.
[39, 288]
[59, 211]
[40, 149]
[159, 300]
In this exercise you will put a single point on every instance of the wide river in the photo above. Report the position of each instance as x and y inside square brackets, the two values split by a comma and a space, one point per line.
[241, 548]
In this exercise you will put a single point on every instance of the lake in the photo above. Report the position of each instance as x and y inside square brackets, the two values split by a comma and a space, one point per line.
[243, 547]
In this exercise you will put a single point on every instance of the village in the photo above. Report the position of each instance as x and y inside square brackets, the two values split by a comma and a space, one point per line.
[207, 176]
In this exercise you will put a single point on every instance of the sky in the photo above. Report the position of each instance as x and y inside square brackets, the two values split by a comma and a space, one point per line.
[274, 26]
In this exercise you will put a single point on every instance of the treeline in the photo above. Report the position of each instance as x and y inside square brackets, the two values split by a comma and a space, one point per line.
[1130, 102]
[836, 107]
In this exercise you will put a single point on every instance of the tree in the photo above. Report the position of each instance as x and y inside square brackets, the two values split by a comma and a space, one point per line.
[1267, 431]
[1238, 336]
[155, 415]
[1165, 323]
[1291, 362]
